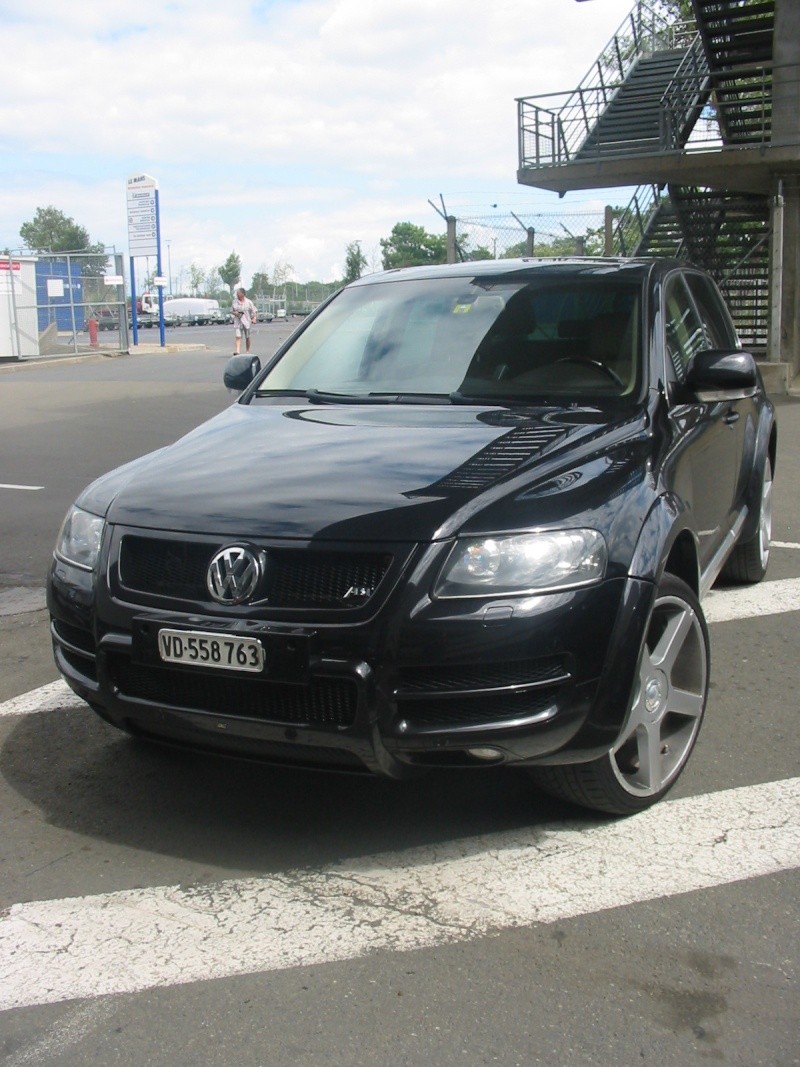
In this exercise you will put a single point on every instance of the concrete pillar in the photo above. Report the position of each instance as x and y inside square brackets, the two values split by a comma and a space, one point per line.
[452, 251]
[784, 343]
[785, 84]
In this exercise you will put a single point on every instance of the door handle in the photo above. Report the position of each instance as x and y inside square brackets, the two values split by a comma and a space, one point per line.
[731, 418]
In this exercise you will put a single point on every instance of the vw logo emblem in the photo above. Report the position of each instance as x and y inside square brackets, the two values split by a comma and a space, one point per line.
[233, 575]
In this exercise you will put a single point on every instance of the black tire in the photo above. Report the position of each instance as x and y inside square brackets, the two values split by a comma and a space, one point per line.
[749, 560]
[664, 720]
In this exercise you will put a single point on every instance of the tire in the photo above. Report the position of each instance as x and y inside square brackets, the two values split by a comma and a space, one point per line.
[664, 720]
[749, 560]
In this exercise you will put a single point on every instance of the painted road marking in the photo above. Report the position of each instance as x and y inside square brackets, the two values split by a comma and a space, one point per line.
[750, 601]
[28, 488]
[128, 941]
[49, 697]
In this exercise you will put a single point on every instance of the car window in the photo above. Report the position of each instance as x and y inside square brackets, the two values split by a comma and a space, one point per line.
[717, 322]
[509, 336]
[685, 334]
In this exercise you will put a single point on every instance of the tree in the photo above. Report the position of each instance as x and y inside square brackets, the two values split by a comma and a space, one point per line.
[231, 271]
[213, 282]
[196, 278]
[411, 246]
[355, 262]
[259, 286]
[50, 230]
[281, 273]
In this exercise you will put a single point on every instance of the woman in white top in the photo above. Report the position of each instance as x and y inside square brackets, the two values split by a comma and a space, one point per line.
[244, 315]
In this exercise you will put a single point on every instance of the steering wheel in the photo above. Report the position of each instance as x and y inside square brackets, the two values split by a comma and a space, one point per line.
[602, 367]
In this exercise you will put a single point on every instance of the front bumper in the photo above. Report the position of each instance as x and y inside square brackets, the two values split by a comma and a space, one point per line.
[422, 683]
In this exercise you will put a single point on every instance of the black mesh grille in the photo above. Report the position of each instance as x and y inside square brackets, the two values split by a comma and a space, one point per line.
[73, 635]
[325, 702]
[295, 578]
[478, 710]
[447, 678]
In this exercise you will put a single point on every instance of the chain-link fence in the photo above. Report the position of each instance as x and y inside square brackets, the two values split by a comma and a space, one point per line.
[62, 302]
[553, 234]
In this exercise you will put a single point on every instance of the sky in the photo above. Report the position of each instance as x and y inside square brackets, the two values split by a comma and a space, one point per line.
[281, 129]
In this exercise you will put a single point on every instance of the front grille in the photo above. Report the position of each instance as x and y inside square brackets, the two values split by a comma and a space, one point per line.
[459, 695]
[295, 578]
[75, 636]
[325, 702]
[466, 677]
[484, 709]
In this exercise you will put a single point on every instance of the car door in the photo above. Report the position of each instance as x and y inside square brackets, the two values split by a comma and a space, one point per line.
[740, 408]
[706, 463]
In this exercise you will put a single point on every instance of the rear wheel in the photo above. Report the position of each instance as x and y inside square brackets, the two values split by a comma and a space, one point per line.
[664, 720]
[749, 560]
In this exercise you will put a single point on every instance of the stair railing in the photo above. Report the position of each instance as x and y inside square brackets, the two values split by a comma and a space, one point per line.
[684, 97]
[550, 136]
[633, 224]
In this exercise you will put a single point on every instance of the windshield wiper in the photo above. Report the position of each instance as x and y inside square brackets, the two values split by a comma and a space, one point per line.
[280, 392]
[321, 396]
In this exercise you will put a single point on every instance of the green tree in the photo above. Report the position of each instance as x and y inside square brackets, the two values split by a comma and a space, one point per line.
[259, 286]
[231, 271]
[411, 246]
[50, 230]
[355, 262]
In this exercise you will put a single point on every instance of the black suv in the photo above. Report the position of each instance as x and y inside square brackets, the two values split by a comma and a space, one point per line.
[464, 517]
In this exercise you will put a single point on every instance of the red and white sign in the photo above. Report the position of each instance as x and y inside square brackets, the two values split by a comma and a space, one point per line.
[13, 264]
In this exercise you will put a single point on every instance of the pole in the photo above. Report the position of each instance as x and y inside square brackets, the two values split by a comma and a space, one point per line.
[134, 317]
[158, 271]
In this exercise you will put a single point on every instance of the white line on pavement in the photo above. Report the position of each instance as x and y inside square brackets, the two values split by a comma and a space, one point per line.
[29, 488]
[170, 935]
[749, 601]
[49, 697]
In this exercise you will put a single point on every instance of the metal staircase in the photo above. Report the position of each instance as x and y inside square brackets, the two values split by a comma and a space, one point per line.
[659, 90]
[737, 42]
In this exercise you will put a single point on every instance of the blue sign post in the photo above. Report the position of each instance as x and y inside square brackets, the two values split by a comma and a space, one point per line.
[144, 238]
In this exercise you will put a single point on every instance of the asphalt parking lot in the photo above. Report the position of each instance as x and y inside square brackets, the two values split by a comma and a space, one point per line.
[169, 908]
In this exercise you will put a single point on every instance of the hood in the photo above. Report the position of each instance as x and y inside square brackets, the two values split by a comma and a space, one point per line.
[370, 473]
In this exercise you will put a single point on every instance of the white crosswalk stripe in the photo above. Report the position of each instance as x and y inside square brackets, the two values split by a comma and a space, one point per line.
[132, 940]
[168, 935]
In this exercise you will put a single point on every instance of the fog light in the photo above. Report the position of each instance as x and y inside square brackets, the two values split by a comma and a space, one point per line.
[485, 753]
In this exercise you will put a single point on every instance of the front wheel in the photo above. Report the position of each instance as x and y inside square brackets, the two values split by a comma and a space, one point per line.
[664, 720]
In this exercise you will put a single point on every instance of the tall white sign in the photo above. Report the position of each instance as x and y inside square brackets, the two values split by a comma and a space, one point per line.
[142, 216]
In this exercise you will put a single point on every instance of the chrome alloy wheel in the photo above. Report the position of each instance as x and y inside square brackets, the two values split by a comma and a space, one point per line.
[765, 518]
[669, 701]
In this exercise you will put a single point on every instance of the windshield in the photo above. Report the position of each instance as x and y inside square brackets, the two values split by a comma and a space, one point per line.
[573, 338]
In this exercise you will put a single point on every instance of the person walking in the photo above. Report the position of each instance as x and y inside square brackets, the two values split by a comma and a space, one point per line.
[244, 315]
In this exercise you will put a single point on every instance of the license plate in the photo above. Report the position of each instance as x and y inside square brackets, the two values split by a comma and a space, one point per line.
[197, 649]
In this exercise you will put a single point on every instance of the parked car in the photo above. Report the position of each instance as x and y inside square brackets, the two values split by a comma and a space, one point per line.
[464, 517]
[107, 318]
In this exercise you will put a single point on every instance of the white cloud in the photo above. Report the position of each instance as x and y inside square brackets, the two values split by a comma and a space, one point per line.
[286, 128]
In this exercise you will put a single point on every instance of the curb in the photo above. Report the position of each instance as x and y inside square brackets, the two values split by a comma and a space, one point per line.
[88, 357]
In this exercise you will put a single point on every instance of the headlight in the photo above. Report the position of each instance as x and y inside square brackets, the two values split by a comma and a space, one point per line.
[80, 538]
[523, 563]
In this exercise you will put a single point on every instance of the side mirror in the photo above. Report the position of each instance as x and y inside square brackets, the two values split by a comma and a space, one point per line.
[240, 371]
[721, 370]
